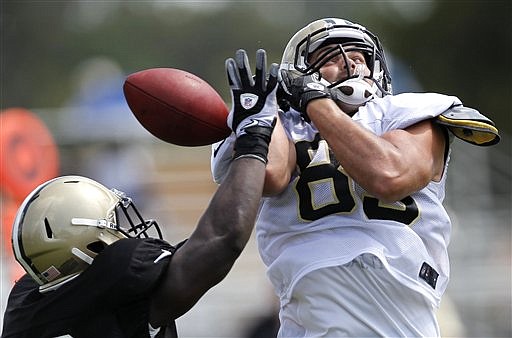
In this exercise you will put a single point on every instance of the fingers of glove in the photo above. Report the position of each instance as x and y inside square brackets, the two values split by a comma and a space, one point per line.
[283, 76]
[272, 77]
[242, 62]
[261, 69]
[285, 81]
[233, 74]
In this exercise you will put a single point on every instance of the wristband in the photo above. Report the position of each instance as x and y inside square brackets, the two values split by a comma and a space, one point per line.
[254, 143]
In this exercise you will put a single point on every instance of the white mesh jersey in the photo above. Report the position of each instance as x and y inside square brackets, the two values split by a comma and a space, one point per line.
[324, 218]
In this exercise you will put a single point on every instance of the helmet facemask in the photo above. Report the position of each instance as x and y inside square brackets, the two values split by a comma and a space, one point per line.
[136, 226]
[343, 37]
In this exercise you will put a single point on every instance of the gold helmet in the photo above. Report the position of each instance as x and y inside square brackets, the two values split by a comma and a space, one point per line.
[65, 222]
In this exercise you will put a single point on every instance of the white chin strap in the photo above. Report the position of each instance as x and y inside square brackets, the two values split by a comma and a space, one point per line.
[82, 255]
[356, 91]
[99, 223]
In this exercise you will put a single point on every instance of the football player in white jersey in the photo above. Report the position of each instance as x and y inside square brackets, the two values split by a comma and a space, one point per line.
[353, 230]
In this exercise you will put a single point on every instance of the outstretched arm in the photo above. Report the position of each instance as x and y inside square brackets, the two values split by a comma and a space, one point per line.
[225, 227]
[210, 252]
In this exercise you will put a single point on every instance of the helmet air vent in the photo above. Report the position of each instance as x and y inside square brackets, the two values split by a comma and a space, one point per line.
[49, 232]
[71, 181]
[96, 247]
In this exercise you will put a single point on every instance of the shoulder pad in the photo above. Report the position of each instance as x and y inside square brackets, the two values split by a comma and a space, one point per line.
[469, 125]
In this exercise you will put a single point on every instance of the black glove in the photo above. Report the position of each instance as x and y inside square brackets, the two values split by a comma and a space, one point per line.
[254, 110]
[300, 90]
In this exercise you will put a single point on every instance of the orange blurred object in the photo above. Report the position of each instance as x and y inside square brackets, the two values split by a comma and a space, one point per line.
[28, 154]
[9, 209]
[28, 157]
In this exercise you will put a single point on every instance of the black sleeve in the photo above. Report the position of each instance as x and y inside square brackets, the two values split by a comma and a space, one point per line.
[116, 286]
[133, 266]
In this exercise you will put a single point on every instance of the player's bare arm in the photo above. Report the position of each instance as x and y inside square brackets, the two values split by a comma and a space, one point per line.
[389, 167]
[281, 162]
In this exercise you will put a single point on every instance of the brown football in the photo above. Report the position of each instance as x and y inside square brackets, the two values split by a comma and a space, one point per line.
[176, 106]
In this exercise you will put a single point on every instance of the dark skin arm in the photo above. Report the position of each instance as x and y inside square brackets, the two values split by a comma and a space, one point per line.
[210, 252]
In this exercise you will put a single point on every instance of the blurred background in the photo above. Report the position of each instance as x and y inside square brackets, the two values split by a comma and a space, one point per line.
[63, 64]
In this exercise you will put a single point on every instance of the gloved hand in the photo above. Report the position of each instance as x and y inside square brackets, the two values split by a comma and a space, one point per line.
[300, 90]
[254, 105]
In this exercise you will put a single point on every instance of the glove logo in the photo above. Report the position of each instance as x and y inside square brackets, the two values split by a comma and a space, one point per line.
[248, 100]
[315, 86]
[252, 123]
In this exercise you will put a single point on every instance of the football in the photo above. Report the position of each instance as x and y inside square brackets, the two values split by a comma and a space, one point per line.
[176, 106]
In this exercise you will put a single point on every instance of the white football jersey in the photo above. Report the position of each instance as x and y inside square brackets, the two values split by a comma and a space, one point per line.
[324, 218]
